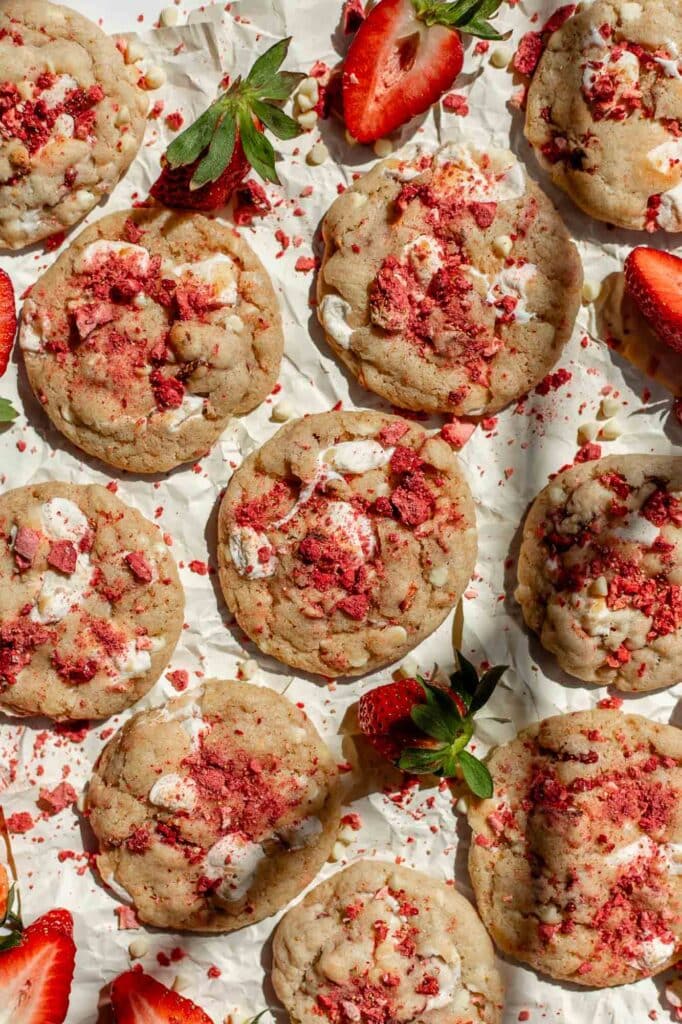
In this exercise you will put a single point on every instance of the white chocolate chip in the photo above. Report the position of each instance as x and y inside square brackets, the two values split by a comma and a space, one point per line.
[609, 407]
[317, 155]
[249, 668]
[501, 56]
[395, 635]
[350, 139]
[83, 198]
[307, 120]
[155, 77]
[138, 948]
[358, 660]
[438, 577]
[308, 94]
[122, 116]
[611, 430]
[408, 669]
[282, 412]
[338, 852]
[599, 587]
[673, 993]
[346, 835]
[630, 11]
[383, 147]
[591, 291]
[169, 16]
[134, 52]
[587, 432]
[462, 806]
[556, 495]
[503, 245]
[181, 982]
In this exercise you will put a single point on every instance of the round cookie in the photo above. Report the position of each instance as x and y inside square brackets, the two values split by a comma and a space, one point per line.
[604, 109]
[215, 810]
[576, 859]
[148, 334]
[449, 282]
[380, 942]
[72, 118]
[91, 606]
[600, 571]
[345, 540]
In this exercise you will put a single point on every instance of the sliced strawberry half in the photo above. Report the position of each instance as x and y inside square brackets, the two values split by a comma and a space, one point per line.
[8, 320]
[405, 55]
[36, 975]
[654, 281]
[137, 998]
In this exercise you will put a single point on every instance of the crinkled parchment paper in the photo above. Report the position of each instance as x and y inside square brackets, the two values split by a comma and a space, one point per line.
[507, 464]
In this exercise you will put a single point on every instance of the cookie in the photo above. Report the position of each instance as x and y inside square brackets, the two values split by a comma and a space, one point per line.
[148, 334]
[72, 118]
[214, 811]
[600, 572]
[576, 859]
[449, 282]
[379, 942]
[91, 606]
[345, 540]
[604, 109]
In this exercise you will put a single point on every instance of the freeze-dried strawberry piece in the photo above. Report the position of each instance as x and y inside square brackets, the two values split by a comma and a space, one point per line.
[405, 460]
[139, 566]
[63, 556]
[392, 432]
[354, 606]
[413, 501]
[168, 391]
[25, 546]
[93, 315]
[528, 53]
[75, 670]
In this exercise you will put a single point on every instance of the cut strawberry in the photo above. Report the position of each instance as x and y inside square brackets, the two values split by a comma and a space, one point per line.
[8, 320]
[137, 998]
[405, 55]
[424, 728]
[204, 165]
[36, 975]
[654, 281]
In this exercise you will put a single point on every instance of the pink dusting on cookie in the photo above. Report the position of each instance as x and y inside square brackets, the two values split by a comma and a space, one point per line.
[63, 556]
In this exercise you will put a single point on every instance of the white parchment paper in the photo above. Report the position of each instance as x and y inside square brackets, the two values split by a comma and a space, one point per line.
[507, 464]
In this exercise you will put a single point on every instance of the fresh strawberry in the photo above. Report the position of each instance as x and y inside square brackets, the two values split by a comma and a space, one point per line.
[654, 281]
[173, 187]
[8, 320]
[36, 975]
[405, 55]
[137, 998]
[424, 728]
[205, 163]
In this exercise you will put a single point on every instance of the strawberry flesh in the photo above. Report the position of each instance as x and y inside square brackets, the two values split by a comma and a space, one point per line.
[173, 189]
[8, 320]
[654, 281]
[137, 998]
[36, 976]
[396, 68]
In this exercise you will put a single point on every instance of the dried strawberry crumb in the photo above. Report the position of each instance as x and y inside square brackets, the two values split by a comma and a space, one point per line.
[139, 566]
[456, 104]
[19, 823]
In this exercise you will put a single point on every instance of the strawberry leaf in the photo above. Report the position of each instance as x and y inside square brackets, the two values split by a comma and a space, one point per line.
[445, 705]
[282, 86]
[419, 762]
[267, 65]
[257, 149]
[279, 123]
[468, 15]
[10, 941]
[7, 411]
[430, 721]
[476, 775]
[190, 144]
[219, 154]
[486, 688]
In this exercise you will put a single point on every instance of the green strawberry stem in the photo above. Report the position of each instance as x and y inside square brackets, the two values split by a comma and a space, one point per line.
[212, 138]
[7, 411]
[12, 921]
[448, 728]
[470, 16]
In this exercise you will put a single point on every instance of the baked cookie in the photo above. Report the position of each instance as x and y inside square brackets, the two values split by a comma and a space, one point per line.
[604, 111]
[449, 282]
[345, 540]
[378, 942]
[600, 571]
[148, 334]
[215, 810]
[576, 859]
[72, 118]
[91, 606]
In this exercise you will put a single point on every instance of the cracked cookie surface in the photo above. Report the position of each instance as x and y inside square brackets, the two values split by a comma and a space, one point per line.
[91, 606]
[345, 540]
[148, 334]
[449, 282]
[605, 108]
[600, 570]
[214, 810]
[576, 861]
[380, 942]
[72, 118]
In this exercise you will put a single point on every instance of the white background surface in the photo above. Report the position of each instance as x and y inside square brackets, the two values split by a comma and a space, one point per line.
[527, 445]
